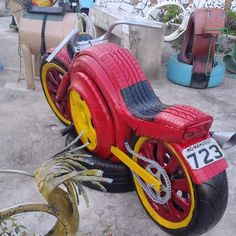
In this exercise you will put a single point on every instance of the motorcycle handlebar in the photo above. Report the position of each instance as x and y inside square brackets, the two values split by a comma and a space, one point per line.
[85, 44]
[131, 22]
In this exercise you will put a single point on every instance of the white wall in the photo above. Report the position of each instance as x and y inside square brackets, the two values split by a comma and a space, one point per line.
[208, 3]
[142, 3]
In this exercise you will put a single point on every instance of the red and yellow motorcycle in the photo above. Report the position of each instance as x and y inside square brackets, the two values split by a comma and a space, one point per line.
[177, 164]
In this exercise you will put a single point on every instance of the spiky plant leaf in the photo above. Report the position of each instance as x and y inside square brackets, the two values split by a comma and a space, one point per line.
[84, 194]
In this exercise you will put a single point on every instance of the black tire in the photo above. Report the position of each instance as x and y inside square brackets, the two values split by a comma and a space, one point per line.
[121, 175]
[210, 201]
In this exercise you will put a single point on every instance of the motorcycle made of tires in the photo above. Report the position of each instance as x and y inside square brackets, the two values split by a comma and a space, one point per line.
[177, 164]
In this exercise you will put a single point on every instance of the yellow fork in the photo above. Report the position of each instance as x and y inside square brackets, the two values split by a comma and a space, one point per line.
[137, 169]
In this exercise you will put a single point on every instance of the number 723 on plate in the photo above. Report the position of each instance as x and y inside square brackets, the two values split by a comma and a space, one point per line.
[203, 153]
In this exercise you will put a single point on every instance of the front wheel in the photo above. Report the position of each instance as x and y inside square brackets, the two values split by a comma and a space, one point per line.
[191, 209]
[51, 74]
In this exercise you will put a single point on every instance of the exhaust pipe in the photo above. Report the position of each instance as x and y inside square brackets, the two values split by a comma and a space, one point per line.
[224, 138]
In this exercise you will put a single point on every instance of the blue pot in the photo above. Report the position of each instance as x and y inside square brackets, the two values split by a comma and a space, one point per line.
[181, 73]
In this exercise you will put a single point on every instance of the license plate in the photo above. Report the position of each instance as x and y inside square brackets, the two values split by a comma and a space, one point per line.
[203, 153]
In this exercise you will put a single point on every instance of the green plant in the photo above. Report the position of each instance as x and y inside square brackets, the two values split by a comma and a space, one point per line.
[171, 13]
[10, 227]
[59, 181]
[230, 22]
[106, 231]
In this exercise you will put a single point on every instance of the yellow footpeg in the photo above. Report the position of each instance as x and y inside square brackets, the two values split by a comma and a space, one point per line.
[137, 169]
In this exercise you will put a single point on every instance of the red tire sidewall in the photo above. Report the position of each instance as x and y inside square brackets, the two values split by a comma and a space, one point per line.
[101, 117]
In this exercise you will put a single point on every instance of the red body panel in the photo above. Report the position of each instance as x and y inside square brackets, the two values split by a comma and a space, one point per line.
[100, 113]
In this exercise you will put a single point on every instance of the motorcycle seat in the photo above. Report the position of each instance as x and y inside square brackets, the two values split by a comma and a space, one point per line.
[141, 100]
[170, 123]
[179, 122]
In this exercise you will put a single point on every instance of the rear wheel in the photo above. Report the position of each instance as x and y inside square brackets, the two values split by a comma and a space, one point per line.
[191, 208]
[51, 76]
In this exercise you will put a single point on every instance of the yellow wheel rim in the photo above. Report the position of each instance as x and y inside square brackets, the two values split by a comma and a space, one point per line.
[82, 119]
[45, 69]
[143, 197]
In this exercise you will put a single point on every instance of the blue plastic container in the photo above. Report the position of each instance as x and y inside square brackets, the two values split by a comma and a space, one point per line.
[181, 73]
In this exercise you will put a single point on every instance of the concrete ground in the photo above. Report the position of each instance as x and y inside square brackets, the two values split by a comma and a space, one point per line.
[30, 134]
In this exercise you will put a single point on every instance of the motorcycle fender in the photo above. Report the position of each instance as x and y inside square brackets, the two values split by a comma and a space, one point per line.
[199, 175]
[98, 111]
